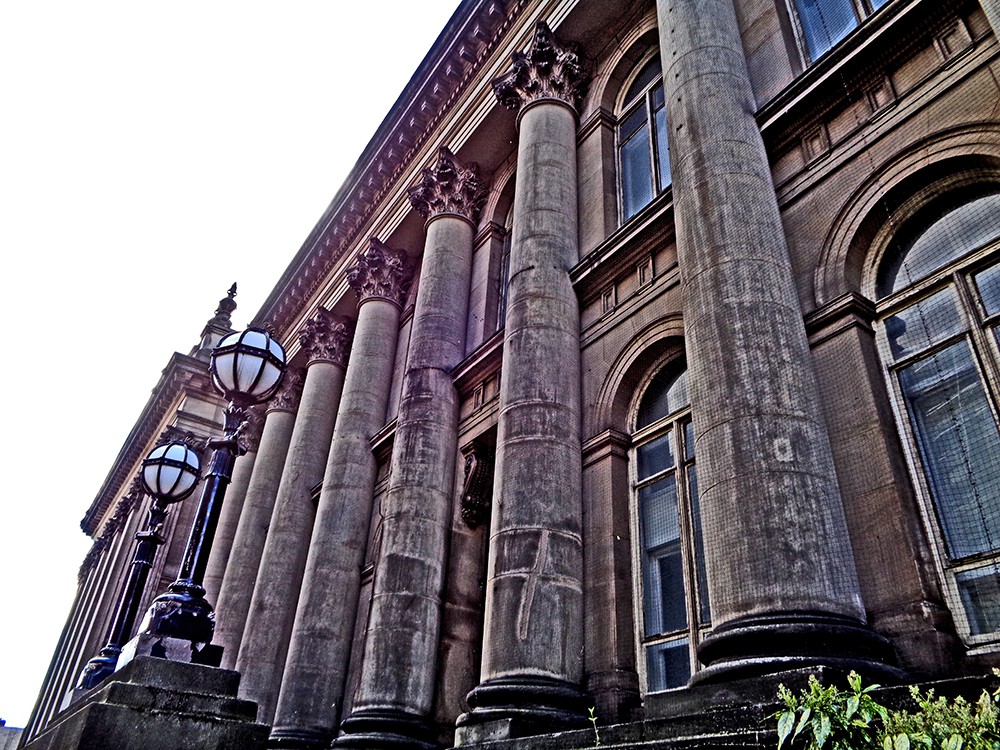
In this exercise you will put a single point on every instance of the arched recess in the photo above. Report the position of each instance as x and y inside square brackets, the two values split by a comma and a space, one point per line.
[615, 69]
[610, 410]
[946, 161]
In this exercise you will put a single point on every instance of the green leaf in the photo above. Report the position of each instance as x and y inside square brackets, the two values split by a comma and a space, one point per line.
[803, 720]
[902, 742]
[821, 731]
[785, 723]
[887, 743]
[852, 705]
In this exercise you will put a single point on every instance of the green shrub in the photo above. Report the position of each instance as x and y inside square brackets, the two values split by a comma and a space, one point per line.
[829, 717]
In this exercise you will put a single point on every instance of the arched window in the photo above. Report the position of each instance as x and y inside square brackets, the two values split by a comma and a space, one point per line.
[643, 156]
[672, 585]
[938, 291]
[826, 22]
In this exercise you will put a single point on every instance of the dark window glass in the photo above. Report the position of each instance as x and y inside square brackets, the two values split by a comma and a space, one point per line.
[667, 393]
[824, 23]
[643, 152]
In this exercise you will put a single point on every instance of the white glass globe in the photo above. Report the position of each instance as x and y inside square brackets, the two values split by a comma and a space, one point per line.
[170, 471]
[248, 364]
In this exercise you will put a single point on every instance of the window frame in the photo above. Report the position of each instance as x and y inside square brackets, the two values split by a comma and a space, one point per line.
[674, 423]
[984, 350]
[623, 109]
[863, 10]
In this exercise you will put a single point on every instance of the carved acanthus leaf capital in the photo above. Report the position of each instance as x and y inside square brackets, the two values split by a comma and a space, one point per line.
[477, 489]
[326, 337]
[252, 428]
[548, 70]
[289, 393]
[381, 272]
[449, 187]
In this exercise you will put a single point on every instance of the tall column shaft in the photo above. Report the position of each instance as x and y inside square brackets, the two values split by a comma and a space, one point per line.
[396, 691]
[272, 610]
[236, 592]
[533, 633]
[316, 667]
[229, 522]
[782, 580]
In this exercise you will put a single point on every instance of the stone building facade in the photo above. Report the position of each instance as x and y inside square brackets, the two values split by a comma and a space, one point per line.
[650, 344]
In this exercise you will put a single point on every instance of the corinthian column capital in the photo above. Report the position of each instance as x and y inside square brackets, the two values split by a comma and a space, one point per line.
[288, 395]
[548, 70]
[382, 273]
[449, 187]
[326, 338]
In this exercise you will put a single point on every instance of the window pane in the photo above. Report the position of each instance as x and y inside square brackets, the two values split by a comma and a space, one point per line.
[704, 608]
[988, 283]
[656, 456]
[637, 174]
[689, 440]
[960, 446]
[923, 324]
[668, 665]
[649, 73]
[980, 592]
[957, 232]
[662, 147]
[663, 571]
[878, 3]
[666, 393]
[824, 23]
[632, 122]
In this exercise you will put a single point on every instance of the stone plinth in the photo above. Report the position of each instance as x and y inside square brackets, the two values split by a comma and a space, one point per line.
[155, 704]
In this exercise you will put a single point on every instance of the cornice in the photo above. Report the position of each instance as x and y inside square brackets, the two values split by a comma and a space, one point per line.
[472, 34]
[182, 375]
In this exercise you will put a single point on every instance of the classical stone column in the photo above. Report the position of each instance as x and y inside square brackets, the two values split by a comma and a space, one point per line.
[783, 587]
[325, 339]
[533, 633]
[251, 531]
[396, 692]
[316, 668]
[225, 534]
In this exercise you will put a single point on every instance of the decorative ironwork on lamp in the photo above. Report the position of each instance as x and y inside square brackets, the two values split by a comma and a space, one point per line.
[169, 474]
[247, 367]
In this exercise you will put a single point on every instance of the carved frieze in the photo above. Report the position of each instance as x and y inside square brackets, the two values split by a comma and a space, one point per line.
[289, 393]
[381, 272]
[327, 337]
[548, 70]
[477, 488]
[449, 187]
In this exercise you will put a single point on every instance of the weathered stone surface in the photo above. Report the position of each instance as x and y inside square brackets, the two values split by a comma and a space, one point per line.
[248, 544]
[316, 667]
[279, 578]
[156, 704]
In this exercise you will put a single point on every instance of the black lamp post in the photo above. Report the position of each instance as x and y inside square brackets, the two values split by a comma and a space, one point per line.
[247, 367]
[169, 473]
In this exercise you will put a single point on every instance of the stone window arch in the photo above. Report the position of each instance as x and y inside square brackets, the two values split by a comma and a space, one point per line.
[671, 589]
[937, 291]
[641, 137]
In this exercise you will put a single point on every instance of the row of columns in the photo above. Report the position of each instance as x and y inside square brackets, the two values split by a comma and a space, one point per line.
[764, 456]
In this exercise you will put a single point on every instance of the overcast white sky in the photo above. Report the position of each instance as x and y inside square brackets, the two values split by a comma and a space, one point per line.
[150, 155]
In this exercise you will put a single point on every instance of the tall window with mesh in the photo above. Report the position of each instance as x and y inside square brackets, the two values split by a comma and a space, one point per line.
[643, 155]
[671, 558]
[938, 293]
[823, 23]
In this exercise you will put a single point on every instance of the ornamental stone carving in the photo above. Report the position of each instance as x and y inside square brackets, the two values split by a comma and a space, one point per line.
[548, 70]
[252, 428]
[449, 187]
[326, 337]
[288, 395]
[381, 273]
[477, 488]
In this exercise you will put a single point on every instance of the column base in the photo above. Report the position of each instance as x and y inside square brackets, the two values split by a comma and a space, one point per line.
[386, 729]
[514, 707]
[777, 642]
[297, 737]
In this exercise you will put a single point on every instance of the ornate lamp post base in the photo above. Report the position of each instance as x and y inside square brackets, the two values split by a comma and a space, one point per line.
[181, 612]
